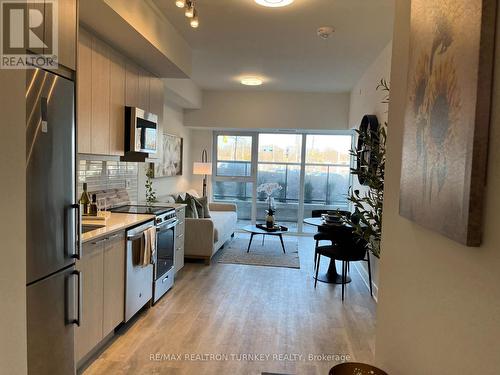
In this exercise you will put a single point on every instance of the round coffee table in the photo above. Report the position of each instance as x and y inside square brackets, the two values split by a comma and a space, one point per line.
[254, 230]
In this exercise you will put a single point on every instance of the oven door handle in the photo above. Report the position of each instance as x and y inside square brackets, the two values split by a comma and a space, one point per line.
[166, 226]
[135, 238]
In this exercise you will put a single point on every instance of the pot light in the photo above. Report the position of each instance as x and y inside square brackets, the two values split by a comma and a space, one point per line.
[251, 81]
[180, 3]
[274, 3]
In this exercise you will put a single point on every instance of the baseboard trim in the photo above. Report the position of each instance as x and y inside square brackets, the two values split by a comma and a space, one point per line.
[364, 276]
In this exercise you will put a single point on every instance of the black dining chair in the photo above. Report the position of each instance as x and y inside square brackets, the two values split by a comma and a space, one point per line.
[345, 247]
[324, 235]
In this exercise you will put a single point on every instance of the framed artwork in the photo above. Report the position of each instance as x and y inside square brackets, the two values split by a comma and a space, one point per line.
[170, 163]
[447, 116]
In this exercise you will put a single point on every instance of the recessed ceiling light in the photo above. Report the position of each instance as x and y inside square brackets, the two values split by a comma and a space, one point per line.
[251, 81]
[274, 3]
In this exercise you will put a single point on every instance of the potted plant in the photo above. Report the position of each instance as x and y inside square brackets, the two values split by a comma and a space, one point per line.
[368, 204]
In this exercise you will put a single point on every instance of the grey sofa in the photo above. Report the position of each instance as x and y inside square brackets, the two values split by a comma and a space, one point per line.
[204, 237]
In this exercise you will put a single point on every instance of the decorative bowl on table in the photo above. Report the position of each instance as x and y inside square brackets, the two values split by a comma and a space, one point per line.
[332, 219]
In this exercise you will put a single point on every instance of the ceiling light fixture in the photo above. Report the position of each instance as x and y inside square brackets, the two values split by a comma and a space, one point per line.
[251, 81]
[189, 13]
[180, 3]
[194, 21]
[274, 3]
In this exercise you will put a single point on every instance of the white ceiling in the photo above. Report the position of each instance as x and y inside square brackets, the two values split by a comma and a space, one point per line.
[239, 37]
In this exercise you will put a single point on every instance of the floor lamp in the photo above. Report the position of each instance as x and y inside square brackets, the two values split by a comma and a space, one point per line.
[204, 168]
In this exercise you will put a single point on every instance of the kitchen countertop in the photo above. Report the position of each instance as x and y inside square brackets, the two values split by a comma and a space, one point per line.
[115, 223]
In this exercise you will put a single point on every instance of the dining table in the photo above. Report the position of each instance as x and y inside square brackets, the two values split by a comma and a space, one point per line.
[331, 276]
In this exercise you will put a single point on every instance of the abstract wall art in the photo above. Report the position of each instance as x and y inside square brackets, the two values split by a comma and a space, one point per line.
[447, 116]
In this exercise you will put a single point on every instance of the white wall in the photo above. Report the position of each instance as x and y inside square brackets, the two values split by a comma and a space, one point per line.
[270, 110]
[173, 124]
[439, 301]
[13, 223]
[365, 99]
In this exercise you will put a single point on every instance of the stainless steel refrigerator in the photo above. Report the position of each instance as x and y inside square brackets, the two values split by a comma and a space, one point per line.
[53, 224]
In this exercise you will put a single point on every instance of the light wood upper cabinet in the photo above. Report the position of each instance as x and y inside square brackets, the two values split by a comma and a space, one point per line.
[89, 334]
[117, 104]
[132, 85]
[106, 83]
[100, 97]
[84, 92]
[67, 29]
[156, 107]
[114, 283]
[144, 90]
[67, 24]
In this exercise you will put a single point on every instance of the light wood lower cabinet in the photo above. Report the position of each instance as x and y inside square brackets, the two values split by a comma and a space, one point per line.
[91, 265]
[114, 283]
[103, 291]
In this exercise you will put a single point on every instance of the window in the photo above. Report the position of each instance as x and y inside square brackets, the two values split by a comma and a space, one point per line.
[313, 171]
[234, 155]
[327, 170]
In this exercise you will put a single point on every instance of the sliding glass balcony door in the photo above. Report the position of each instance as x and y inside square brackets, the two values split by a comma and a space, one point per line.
[312, 170]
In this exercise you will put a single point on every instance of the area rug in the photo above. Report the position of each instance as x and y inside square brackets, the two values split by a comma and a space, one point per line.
[270, 254]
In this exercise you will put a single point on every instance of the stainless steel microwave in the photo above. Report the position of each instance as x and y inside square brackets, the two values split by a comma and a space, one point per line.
[141, 131]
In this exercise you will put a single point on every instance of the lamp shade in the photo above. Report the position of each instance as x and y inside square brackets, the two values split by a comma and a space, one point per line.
[202, 168]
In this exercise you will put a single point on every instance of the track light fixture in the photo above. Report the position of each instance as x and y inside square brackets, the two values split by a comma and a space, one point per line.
[194, 21]
[190, 11]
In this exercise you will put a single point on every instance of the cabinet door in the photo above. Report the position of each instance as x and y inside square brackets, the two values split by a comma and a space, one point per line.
[84, 91]
[100, 97]
[114, 282]
[117, 104]
[156, 107]
[89, 334]
[67, 25]
[132, 85]
[144, 90]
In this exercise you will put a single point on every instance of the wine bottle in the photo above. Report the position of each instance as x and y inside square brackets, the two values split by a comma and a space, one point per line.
[93, 206]
[85, 200]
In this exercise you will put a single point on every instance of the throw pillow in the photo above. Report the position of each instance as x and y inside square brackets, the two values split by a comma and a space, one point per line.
[191, 211]
[206, 210]
[198, 205]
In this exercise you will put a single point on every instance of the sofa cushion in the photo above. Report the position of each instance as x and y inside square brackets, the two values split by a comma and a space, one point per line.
[223, 224]
[191, 210]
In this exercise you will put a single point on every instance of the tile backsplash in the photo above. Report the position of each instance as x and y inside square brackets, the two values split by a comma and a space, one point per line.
[105, 175]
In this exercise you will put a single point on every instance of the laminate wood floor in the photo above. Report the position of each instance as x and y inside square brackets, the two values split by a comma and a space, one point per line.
[250, 320]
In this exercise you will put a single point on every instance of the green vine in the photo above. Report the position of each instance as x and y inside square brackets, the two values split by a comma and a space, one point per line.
[150, 192]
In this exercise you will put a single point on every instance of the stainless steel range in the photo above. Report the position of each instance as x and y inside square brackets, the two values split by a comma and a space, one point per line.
[163, 260]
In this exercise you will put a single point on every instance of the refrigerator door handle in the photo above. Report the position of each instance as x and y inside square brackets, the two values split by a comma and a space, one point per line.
[78, 320]
[78, 248]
